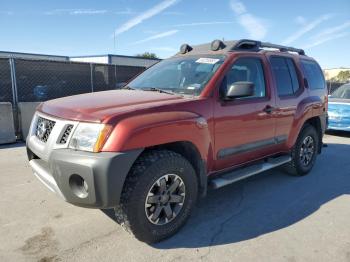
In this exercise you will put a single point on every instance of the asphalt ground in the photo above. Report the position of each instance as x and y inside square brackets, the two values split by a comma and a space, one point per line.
[269, 217]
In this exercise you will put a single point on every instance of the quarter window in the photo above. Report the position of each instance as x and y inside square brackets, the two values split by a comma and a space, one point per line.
[313, 74]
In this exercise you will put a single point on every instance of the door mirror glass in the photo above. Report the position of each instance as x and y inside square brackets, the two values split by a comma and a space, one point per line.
[240, 89]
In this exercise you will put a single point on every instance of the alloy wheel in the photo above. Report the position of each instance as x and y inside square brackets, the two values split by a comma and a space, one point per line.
[307, 150]
[165, 199]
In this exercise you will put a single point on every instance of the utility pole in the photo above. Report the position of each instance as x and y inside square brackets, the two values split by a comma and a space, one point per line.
[114, 36]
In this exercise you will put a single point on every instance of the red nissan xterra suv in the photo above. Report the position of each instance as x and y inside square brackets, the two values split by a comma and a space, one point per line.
[211, 115]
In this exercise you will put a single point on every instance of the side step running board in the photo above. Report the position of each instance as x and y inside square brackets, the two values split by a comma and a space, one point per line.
[241, 173]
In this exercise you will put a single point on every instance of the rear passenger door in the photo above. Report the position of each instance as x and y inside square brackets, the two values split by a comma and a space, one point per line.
[289, 92]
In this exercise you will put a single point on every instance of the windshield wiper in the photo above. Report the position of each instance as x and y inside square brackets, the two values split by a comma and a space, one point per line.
[154, 89]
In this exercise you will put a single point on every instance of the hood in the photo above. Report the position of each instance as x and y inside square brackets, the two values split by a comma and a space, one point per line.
[99, 106]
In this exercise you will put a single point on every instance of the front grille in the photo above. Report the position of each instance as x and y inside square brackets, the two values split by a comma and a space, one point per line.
[66, 133]
[43, 128]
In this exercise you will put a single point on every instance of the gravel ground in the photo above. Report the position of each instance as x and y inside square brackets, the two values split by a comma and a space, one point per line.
[270, 217]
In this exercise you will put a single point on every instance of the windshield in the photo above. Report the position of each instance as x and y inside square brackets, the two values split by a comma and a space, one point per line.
[183, 75]
[342, 92]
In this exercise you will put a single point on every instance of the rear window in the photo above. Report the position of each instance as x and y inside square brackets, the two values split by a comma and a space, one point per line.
[313, 74]
[285, 75]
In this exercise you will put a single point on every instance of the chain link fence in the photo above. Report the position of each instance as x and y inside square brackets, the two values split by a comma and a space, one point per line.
[5, 81]
[26, 80]
[41, 80]
[44, 80]
[104, 77]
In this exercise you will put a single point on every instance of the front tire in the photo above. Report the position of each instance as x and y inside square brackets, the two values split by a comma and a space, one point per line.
[158, 196]
[304, 152]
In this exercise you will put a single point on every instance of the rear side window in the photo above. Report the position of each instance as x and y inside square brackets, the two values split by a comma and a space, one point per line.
[293, 74]
[286, 76]
[313, 74]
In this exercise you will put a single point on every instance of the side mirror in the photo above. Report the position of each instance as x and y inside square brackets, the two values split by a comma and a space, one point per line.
[240, 89]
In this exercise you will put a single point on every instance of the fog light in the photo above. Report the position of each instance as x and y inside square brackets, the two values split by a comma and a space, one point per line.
[79, 186]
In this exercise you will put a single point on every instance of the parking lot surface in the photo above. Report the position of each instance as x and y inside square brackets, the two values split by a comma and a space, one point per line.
[269, 217]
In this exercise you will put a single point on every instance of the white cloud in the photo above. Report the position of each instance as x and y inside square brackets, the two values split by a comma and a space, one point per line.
[88, 12]
[332, 30]
[157, 36]
[327, 39]
[255, 26]
[306, 28]
[144, 16]
[329, 34]
[76, 12]
[203, 23]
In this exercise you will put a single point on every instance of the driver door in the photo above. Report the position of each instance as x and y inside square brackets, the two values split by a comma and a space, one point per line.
[245, 127]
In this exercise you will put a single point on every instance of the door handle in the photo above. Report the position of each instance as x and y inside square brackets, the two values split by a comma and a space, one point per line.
[269, 109]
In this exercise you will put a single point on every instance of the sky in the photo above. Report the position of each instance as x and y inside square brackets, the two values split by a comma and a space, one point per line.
[129, 27]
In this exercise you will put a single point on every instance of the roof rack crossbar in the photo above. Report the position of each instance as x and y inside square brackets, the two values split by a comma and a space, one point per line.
[246, 44]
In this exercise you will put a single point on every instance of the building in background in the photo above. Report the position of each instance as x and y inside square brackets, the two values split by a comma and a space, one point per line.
[6, 54]
[334, 73]
[116, 60]
[98, 59]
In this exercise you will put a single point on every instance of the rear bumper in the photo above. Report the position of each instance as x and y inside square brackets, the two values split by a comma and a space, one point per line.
[104, 175]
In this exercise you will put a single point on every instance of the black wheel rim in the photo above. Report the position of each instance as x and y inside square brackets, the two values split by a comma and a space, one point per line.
[165, 199]
[307, 150]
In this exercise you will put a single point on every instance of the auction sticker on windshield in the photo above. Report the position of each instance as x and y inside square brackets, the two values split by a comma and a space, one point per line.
[207, 61]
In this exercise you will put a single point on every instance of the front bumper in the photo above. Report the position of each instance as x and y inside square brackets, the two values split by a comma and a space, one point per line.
[104, 174]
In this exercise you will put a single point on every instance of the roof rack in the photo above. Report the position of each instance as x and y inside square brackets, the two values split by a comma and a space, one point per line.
[253, 45]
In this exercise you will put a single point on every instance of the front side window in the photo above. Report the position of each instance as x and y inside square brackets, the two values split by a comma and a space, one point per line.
[183, 75]
[247, 70]
[313, 74]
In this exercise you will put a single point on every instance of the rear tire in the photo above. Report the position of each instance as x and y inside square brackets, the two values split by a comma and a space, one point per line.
[158, 196]
[304, 152]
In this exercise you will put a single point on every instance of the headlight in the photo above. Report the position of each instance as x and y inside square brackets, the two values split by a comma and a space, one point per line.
[90, 137]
